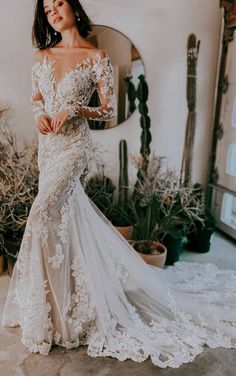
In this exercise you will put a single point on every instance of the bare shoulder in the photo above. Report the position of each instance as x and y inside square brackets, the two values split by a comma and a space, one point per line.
[38, 55]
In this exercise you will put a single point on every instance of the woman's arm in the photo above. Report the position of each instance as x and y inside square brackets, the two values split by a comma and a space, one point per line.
[37, 101]
[104, 81]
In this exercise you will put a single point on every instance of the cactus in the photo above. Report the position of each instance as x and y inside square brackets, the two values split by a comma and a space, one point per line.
[142, 95]
[131, 92]
[123, 176]
[122, 214]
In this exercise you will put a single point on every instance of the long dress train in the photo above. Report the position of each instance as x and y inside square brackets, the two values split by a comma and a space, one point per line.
[77, 280]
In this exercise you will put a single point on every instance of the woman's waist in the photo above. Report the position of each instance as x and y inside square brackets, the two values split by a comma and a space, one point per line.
[52, 108]
[73, 133]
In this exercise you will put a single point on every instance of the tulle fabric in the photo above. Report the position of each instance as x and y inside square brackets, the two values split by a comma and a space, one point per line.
[104, 295]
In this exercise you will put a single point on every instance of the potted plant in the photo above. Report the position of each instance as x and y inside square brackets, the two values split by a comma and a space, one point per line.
[200, 233]
[146, 209]
[145, 242]
[180, 209]
[151, 251]
[166, 208]
[18, 189]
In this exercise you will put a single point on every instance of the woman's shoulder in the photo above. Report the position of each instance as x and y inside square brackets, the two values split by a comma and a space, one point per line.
[99, 52]
[99, 55]
[39, 52]
[38, 55]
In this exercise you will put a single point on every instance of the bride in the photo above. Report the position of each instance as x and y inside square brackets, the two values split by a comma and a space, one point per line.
[77, 281]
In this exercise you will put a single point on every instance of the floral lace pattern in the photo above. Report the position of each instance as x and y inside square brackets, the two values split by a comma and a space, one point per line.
[77, 280]
[75, 89]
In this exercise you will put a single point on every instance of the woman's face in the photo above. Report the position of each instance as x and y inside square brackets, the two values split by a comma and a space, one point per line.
[59, 14]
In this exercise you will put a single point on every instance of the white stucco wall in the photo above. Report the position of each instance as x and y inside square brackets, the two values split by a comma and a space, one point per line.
[159, 29]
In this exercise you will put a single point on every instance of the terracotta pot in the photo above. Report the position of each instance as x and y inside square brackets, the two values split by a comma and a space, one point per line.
[152, 259]
[126, 231]
[2, 264]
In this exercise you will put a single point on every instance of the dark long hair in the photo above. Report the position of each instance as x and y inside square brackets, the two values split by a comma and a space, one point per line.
[43, 34]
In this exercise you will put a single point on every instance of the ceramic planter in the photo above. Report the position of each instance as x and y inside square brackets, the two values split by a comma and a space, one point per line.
[200, 241]
[174, 248]
[152, 259]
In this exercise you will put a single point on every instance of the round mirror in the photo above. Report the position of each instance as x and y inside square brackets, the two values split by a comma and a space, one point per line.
[127, 66]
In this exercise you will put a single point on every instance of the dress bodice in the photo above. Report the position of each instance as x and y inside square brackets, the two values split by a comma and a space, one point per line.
[75, 88]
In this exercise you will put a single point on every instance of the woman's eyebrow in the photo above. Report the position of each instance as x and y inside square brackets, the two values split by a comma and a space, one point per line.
[46, 6]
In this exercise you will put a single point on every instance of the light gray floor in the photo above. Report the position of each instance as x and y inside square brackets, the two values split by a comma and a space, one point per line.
[222, 253]
[15, 359]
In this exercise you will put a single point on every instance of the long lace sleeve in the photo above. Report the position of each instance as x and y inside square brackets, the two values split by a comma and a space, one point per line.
[104, 81]
[37, 102]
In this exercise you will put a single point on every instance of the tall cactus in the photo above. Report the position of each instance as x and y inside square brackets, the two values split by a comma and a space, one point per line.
[142, 95]
[123, 176]
[131, 93]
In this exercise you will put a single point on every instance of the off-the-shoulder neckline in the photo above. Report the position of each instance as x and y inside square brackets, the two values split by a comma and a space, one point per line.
[81, 65]
[96, 59]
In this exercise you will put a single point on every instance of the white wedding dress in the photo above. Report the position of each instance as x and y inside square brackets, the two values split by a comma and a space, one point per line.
[77, 280]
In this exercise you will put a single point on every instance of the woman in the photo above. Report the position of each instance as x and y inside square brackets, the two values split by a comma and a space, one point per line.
[76, 280]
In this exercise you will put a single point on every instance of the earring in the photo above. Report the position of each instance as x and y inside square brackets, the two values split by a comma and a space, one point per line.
[77, 15]
[55, 33]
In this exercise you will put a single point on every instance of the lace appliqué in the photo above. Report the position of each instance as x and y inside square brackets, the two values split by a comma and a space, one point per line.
[80, 312]
[37, 102]
[117, 266]
[57, 259]
[104, 80]
[30, 298]
[75, 89]
[66, 212]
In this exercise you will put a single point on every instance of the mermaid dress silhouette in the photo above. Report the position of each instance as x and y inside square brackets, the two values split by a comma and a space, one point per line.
[77, 281]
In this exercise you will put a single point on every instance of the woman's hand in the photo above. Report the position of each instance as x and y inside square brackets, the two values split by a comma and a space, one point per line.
[58, 121]
[43, 124]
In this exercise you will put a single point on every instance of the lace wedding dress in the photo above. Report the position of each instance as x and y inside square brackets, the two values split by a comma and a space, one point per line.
[77, 280]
